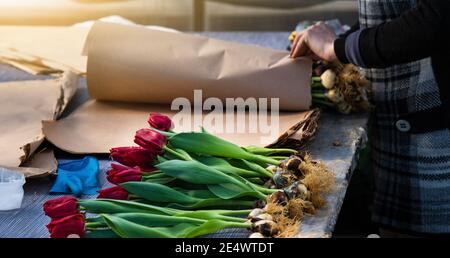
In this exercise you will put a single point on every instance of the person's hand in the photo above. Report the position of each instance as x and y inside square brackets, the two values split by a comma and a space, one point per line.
[316, 42]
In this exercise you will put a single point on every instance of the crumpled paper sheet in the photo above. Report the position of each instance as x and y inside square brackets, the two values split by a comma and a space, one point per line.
[40, 164]
[133, 71]
[98, 126]
[23, 105]
[43, 50]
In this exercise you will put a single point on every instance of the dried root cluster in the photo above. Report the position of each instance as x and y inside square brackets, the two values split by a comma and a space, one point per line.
[302, 183]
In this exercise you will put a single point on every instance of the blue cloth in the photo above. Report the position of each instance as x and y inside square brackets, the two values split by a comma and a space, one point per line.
[77, 177]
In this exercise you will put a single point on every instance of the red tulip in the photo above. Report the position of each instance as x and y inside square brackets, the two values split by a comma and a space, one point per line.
[150, 140]
[61, 207]
[120, 174]
[133, 156]
[115, 193]
[70, 225]
[159, 121]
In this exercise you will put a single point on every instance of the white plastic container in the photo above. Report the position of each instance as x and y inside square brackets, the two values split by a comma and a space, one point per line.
[11, 189]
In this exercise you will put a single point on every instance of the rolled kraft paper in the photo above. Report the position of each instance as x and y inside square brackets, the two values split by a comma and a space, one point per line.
[136, 64]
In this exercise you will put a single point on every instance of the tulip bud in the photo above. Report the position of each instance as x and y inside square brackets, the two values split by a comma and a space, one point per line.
[150, 140]
[66, 226]
[115, 193]
[160, 122]
[120, 174]
[134, 156]
[61, 207]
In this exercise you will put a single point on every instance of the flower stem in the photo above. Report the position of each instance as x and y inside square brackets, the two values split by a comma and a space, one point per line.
[239, 225]
[266, 160]
[319, 96]
[234, 212]
[264, 190]
[177, 154]
[316, 79]
[323, 102]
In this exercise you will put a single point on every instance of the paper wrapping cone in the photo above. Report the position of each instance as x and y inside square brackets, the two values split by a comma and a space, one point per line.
[23, 105]
[135, 64]
[128, 66]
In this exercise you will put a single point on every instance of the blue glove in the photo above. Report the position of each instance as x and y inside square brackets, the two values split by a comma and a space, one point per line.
[77, 177]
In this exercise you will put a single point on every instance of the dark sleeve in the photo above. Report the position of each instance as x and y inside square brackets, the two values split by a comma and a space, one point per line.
[416, 34]
[339, 43]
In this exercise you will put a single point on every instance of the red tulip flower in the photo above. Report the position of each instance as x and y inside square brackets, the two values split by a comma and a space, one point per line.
[159, 121]
[64, 227]
[115, 193]
[120, 174]
[133, 156]
[150, 140]
[61, 207]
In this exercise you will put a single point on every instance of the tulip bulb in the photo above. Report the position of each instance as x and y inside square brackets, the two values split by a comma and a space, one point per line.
[266, 227]
[278, 197]
[256, 212]
[297, 190]
[293, 165]
[328, 79]
[303, 192]
[335, 96]
[256, 235]
[272, 168]
[281, 179]
[264, 216]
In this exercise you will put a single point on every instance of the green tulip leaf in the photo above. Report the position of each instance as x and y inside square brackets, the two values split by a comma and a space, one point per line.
[229, 191]
[208, 215]
[128, 229]
[205, 143]
[157, 192]
[194, 172]
[225, 167]
[208, 203]
[118, 206]
[197, 193]
[268, 151]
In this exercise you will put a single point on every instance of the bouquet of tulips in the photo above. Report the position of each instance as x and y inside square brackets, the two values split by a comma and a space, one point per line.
[192, 184]
[341, 87]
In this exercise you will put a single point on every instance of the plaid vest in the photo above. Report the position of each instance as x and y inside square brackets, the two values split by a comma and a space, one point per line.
[411, 164]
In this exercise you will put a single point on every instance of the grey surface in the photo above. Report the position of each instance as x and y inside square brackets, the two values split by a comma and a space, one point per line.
[350, 131]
